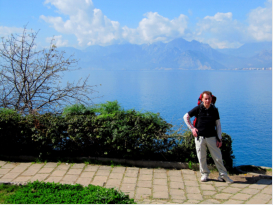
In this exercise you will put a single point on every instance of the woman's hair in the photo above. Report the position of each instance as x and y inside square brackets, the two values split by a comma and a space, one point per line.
[206, 92]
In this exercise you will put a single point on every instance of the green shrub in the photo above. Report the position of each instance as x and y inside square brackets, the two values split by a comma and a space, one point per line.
[186, 150]
[55, 193]
[104, 130]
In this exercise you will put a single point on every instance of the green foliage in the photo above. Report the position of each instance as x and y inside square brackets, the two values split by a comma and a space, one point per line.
[6, 191]
[102, 130]
[55, 193]
[77, 109]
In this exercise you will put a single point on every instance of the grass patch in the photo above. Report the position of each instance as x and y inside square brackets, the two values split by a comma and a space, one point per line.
[6, 191]
[55, 193]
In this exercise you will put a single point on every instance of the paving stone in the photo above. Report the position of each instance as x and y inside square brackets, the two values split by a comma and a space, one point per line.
[53, 179]
[191, 183]
[192, 190]
[64, 167]
[250, 191]
[160, 176]
[147, 184]
[160, 171]
[87, 174]
[105, 168]
[188, 171]
[129, 180]
[9, 166]
[146, 171]
[231, 201]
[103, 173]
[111, 183]
[50, 165]
[257, 186]
[84, 181]
[192, 201]
[189, 177]
[127, 187]
[176, 185]
[267, 190]
[261, 198]
[70, 178]
[241, 196]
[220, 188]
[160, 181]
[210, 201]
[131, 173]
[195, 196]
[206, 187]
[90, 168]
[2, 163]
[46, 170]
[74, 171]
[220, 184]
[22, 179]
[39, 177]
[132, 169]
[160, 195]
[99, 180]
[239, 185]
[174, 173]
[30, 172]
[118, 170]
[4, 171]
[78, 166]
[222, 196]
[19, 169]
[10, 176]
[178, 197]
[116, 175]
[143, 191]
[58, 173]
[231, 190]
[141, 196]
[209, 193]
[178, 201]
[145, 177]
[175, 179]
[36, 166]
[159, 188]
[177, 192]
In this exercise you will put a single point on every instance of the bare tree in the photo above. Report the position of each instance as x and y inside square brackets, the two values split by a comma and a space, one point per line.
[30, 79]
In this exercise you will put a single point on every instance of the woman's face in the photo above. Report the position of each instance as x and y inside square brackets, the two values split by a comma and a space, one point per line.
[206, 100]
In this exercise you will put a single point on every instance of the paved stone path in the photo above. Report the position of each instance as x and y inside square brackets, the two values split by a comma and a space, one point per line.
[148, 186]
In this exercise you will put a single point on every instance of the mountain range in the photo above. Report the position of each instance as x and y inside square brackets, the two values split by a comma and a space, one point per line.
[177, 54]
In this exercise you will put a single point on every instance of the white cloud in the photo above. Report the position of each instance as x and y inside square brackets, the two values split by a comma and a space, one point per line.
[220, 31]
[156, 28]
[6, 31]
[87, 23]
[260, 22]
[91, 26]
[58, 41]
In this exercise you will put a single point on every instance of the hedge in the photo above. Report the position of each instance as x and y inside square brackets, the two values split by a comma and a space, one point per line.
[105, 130]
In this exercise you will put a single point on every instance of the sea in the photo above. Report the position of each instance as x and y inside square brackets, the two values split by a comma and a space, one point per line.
[244, 101]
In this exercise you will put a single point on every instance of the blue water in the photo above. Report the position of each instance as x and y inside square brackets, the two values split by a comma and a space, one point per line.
[244, 100]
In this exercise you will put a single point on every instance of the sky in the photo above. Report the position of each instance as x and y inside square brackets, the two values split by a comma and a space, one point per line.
[82, 23]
